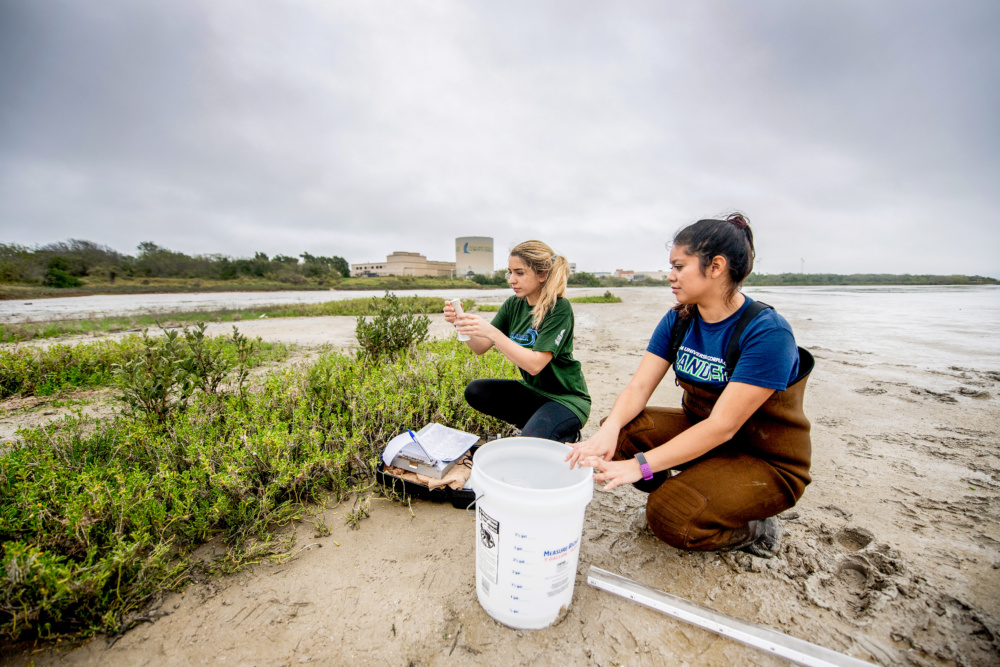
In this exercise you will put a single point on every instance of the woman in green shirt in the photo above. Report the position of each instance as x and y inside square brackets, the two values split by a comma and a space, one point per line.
[534, 329]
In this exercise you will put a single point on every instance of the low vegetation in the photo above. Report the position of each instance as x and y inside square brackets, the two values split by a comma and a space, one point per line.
[100, 517]
[607, 297]
[38, 371]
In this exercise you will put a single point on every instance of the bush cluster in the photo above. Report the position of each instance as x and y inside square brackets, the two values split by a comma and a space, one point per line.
[394, 329]
[163, 376]
[99, 517]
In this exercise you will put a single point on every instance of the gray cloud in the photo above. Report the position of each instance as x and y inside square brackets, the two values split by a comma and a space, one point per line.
[859, 136]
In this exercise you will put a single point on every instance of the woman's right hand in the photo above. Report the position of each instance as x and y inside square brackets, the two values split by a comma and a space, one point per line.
[602, 445]
[449, 312]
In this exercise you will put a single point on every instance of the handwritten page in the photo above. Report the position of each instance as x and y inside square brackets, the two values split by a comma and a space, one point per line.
[443, 444]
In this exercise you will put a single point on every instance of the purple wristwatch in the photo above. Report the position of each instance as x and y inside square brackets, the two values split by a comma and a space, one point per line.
[647, 472]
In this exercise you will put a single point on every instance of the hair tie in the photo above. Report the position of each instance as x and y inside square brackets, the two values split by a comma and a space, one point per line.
[554, 255]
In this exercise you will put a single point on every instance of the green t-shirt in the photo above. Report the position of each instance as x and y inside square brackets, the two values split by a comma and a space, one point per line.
[562, 378]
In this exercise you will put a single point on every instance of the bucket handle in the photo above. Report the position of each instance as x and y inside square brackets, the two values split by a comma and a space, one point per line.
[469, 506]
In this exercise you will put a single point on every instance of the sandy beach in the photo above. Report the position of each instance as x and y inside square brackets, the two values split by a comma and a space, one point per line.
[891, 556]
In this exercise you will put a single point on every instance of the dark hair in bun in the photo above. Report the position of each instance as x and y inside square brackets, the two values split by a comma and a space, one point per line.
[732, 238]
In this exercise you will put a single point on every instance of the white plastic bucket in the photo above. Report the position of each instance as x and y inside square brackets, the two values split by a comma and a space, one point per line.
[529, 524]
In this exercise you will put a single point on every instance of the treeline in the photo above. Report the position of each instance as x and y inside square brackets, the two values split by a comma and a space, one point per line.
[64, 264]
[775, 279]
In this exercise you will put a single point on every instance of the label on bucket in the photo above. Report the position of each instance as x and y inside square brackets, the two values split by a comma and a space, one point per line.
[489, 547]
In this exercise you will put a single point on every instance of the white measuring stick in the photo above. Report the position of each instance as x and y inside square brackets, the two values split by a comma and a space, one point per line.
[758, 636]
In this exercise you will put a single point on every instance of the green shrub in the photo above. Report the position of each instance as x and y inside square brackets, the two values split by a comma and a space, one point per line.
[394, 329]
[155, 382]
[164, 376]
[206, 362]
[59, 278]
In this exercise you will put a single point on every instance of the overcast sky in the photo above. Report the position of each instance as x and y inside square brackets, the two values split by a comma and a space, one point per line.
[858, 136]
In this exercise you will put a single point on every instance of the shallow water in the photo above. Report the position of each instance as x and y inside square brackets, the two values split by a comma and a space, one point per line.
[926, 327]
[129, 304]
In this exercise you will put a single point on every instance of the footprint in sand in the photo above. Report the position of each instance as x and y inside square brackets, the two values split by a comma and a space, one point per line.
[857, 576]
[854, 539]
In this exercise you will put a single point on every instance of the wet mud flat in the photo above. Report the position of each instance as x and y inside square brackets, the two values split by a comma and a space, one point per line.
[891, 556]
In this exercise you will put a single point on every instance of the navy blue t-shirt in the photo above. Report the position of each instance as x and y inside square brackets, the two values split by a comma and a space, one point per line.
[769, 356]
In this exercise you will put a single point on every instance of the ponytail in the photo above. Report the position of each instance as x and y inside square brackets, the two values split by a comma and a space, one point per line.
[541, 259]
[739, 221]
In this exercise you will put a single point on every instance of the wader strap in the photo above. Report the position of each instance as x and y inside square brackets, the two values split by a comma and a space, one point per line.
[733, 349]
[681, 325]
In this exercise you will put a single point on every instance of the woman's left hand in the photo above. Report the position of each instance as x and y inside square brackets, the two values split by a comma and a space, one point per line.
[615, 473]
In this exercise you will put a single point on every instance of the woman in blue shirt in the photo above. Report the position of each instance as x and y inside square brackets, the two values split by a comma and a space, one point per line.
[740, 441]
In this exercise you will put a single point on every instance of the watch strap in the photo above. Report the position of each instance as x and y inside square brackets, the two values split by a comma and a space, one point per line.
[647, 472]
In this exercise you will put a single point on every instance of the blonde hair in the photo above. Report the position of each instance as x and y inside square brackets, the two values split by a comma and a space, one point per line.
[541, 259]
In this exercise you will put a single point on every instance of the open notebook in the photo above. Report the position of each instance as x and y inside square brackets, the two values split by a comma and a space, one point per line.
[432, 452]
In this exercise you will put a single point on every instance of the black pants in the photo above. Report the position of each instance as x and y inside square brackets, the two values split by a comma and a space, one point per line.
[536, 416]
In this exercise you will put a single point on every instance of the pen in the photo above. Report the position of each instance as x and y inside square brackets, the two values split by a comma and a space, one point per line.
[427, 455]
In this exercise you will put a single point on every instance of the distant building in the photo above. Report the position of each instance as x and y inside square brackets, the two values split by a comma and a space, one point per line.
[403, 264]
[473, 255]
[625, 274]
[572, 268]
[640, 275]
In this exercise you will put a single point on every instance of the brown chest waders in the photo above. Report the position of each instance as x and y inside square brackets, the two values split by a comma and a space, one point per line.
[716, 499]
